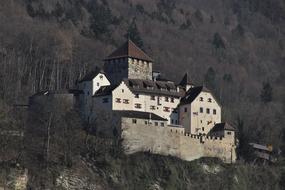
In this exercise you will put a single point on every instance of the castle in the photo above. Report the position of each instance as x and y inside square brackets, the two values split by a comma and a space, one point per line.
[154, 114]
[128, 100]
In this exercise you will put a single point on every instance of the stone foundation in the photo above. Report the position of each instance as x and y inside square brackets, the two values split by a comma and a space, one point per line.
[161, 140]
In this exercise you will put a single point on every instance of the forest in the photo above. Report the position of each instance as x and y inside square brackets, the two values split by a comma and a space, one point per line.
[236, 48]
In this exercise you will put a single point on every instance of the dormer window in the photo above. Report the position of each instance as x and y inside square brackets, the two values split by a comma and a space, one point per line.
[209, 99]
[152, 97]
[172, 100]
[201, 99]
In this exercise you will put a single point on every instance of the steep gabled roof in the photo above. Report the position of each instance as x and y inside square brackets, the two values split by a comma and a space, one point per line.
[129, 49]
[152, 87]
[89, 76]
[192, 93]
[105, 90]
[139, 115]
[185, 80]
[222, 127]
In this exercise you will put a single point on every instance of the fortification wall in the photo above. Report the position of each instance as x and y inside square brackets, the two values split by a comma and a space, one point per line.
[161, 140]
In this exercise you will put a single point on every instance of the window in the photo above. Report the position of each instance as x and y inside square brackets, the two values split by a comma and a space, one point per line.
[201, 121]
[137, 96]
[101, 77]
[208, 110]
[105, 100]
[166, 99]
[209, 99]
[118, 100]
[176, 122]
[203, 128]
[172, 121]
[201, 110]
[98, 84]
[152, 97]
[201, 99]
[166, 109]
[138, 106]
[214, 111]
[229, 133]
[152, 107]
[156, 123]
[174, 110]
[162, 124]
[123, 90]
[172, 100]
[185, 109]
[126, 101]
[134, 121]
[145, 122]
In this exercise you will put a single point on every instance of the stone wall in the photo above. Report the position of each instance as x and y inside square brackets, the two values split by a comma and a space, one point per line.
[139, 69]
[161, 140]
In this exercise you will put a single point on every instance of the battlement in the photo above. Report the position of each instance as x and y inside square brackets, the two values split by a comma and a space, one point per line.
[174, 141]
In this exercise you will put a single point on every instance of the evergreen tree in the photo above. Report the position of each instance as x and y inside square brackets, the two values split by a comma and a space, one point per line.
[218, 41]
[266, 92]
[210, 78]
[134, 34]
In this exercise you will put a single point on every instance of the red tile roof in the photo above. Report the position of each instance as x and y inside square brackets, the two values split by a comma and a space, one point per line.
[129, 49]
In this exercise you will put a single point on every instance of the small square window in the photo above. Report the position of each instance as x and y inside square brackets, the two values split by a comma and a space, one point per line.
[134, 121]
[201, 99]
[201, 110]
[162, 124]
[137, 96]
[214, 111]
[203, 128]
[166, 99]
[172, 100]
[123, 90]
[209, 99]
[156, 123]
[229, 133]
[98, 84]
[185, 109]
[105, 100]
[138, 106]
[152, 97]
[208, 110]
[145, 122]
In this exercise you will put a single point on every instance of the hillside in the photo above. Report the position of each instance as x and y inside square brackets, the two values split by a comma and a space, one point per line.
[236, 48]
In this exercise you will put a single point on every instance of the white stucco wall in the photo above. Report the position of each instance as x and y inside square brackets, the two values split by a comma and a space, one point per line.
[122, 92]
[99, 81]
[196, 122]
[89, 88]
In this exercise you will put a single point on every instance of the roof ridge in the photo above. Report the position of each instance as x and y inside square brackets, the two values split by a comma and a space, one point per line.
[129, 49]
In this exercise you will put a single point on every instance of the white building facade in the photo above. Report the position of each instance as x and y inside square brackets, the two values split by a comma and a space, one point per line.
[128, 85]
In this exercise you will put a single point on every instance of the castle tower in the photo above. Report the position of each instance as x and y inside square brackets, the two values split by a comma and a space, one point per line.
[128, 61]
